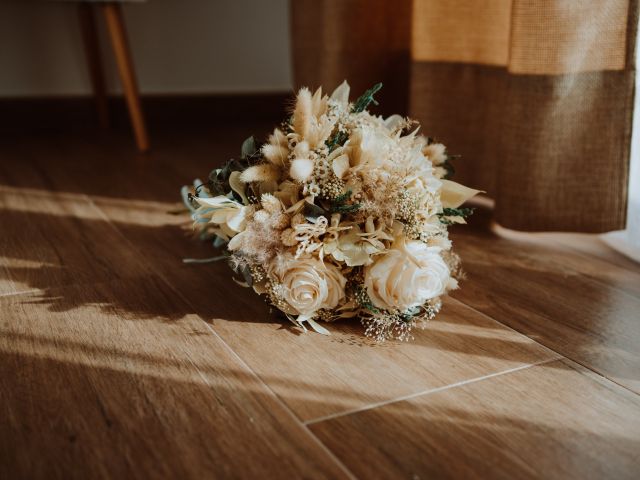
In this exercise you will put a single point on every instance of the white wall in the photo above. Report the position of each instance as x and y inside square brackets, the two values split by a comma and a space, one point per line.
[179, 46]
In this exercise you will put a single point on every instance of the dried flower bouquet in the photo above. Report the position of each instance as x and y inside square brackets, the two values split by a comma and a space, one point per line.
[341, 214]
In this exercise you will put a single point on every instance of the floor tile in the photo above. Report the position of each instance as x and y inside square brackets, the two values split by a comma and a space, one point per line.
[51, 239]
[548, 421]
[121, 380]
[565, 301]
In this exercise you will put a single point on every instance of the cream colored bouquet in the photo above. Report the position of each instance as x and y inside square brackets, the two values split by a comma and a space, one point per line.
[340, 214]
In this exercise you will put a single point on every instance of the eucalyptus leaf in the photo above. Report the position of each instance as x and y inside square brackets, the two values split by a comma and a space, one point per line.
[218, 242]
[213, 176]
[313, 211]
[248, 147]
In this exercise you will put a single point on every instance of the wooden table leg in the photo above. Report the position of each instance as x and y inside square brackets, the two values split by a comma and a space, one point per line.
[94, 61]
[117, 33]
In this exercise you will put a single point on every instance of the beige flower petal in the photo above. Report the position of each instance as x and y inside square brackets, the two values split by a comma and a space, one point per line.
[236, 242]
[237, 186]
[341, 94]
[238, 220]
[453, 194]
[393, 121]
[340, 165]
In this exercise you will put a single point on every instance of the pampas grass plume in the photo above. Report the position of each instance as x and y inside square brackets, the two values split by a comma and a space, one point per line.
[302, 112]
[265, 172]
[301, 169]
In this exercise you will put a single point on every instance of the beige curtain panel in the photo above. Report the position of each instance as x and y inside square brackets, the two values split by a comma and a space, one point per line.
[536, 96]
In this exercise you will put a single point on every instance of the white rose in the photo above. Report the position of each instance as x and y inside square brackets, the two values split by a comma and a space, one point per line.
[406, 276]
[308, 284]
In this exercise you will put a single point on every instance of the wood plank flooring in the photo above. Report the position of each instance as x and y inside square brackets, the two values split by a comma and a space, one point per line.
[118, 360]
[128, 383]
[584, 308]
[546, 421]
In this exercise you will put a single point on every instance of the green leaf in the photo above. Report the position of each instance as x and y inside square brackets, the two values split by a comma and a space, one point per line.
[342, 198]
[312, 212]
[218, 242]
[216, 185]
[248, 147]
[336, 140]
[219, 178]
[362, 297]
[346, 208]
[340, 205]
[456, 212]
[369, 306]
[366, 98]
[339, 138]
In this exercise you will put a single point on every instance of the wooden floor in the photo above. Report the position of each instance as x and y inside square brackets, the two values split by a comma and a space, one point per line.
[118, 360]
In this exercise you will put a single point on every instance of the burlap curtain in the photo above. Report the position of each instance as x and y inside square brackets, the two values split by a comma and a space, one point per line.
[535, 95]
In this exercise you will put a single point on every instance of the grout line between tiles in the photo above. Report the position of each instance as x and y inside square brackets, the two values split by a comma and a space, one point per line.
[596, 377]
[243, 364]
[430, 391]
[281, 402]
[560, 355]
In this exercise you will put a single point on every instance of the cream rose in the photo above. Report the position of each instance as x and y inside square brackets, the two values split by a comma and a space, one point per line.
[308, 284]
[406, 276]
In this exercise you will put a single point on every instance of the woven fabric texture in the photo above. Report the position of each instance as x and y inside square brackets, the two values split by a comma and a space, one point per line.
[537, 96]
